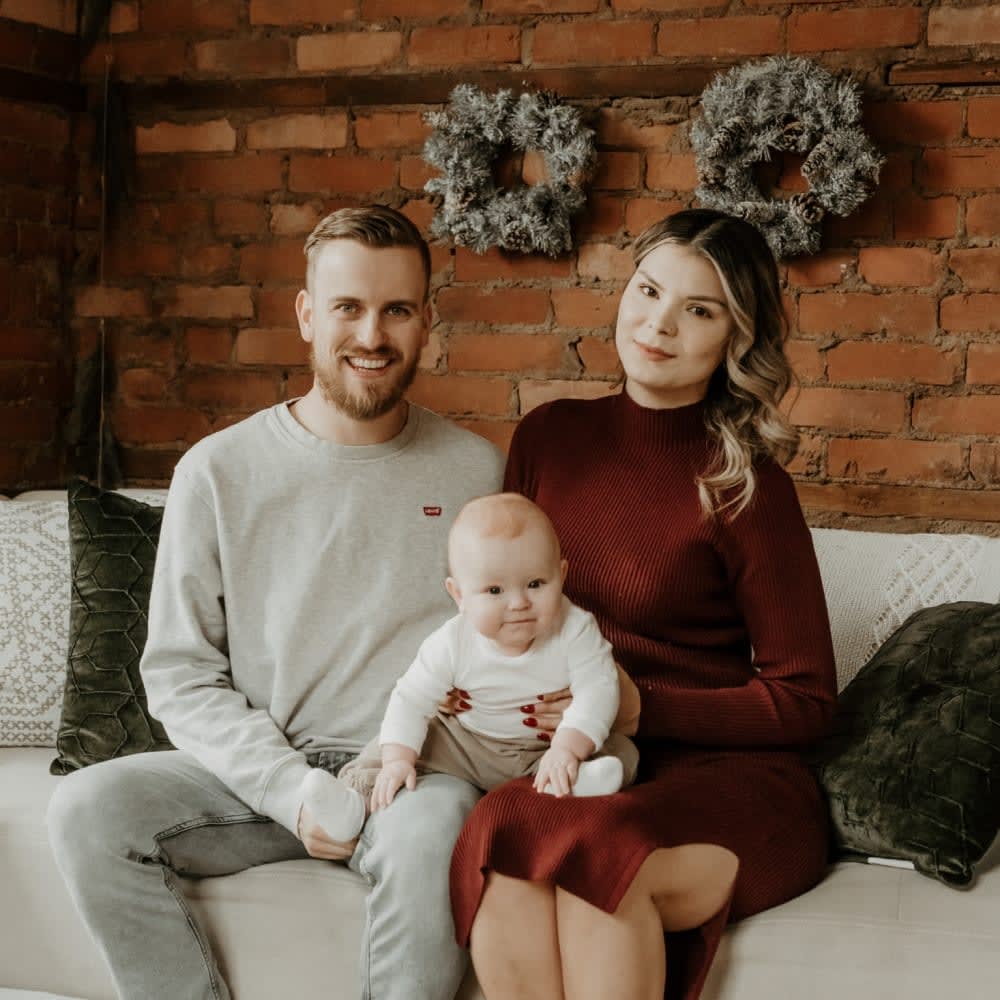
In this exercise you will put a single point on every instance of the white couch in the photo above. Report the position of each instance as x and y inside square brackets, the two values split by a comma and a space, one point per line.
[292, 929]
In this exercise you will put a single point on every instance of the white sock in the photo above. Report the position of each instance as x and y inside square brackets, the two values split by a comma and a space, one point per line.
[335, 806]
[603, 776]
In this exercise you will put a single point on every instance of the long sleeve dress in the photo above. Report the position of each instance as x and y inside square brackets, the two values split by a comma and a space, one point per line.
[722, 625]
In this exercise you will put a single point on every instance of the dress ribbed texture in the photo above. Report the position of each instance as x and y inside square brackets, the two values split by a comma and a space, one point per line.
[722, 626]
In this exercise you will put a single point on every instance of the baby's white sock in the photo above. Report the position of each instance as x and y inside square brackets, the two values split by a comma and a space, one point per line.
[337, 807]
[603, 776]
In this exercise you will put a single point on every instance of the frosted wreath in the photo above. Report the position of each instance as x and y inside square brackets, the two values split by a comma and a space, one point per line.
[790, 104]
[467, 139]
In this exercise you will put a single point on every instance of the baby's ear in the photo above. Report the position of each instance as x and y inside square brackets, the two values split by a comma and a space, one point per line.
[456, 594]
[563, 566]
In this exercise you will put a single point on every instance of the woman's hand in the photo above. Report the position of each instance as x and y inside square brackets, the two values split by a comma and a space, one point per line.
[456, 701]
[544, 715]
[318, 844]
[629, 705]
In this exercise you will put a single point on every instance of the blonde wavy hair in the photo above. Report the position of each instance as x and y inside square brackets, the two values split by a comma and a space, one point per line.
[741, 405]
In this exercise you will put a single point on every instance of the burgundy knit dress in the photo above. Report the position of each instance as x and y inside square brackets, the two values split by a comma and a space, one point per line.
[722, 626]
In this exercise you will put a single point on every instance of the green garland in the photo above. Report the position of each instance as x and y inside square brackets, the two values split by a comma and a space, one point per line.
[464, 146]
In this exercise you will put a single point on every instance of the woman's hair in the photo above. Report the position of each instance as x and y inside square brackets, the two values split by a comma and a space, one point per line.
[376, 226]
[741, 405]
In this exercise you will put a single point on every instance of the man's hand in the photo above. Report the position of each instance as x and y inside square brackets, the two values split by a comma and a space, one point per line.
[557, 768]
[318, 844]
[391, 778]
[629, 705]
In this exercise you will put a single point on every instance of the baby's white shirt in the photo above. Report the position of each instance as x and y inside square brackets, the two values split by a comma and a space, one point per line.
[457, 656]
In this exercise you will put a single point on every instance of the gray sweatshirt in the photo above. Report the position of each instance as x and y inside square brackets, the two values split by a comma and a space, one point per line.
[295, 579]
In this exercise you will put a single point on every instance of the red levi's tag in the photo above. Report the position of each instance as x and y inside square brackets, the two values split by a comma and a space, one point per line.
[432, 511]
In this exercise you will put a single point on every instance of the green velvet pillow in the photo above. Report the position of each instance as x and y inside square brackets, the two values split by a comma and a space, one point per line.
[912, 770]
[112, 542]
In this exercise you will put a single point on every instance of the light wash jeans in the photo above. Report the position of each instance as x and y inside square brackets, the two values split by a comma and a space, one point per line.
[123, 830]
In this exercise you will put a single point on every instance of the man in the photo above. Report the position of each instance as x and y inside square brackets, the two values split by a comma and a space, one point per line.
[294, 582]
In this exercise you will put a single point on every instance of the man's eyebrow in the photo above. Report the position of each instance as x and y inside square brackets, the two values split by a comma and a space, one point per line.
[351, 299]
[694, 298]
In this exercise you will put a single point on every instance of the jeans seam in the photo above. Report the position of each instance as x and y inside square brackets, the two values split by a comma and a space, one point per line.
[367, 948]
[202, 821]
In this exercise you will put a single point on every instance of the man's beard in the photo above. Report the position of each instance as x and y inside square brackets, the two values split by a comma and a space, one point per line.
[368, 402]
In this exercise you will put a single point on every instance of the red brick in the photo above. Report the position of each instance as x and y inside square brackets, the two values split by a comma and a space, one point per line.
[604, 262]
[480, 45]
[828, 267]
[722, 36]
[984, 462]
[455, 394]
[500, 308]
[271, 347]
[599, 356]
[294, 220]
[296, 12]
[671, 172]
[805, 358]
[984, 117]
[540, 6]
[894, 460]
[380, 10]
[983, 365]
[276, 306]
[146, 58]
[390, 130]
[139, 345]
[272, 263]
[534, 392]
[617, 171]
[982, 215]
[211, 302]
[36, 126]
[871, 28]
[641, 213]
[102, 300]
[603, 216]
[978, 268]
[907, 315]
[27, 423]
[213, 261]
[234, 217]
[176, 218]
[498, 432]
[298, 131]
[343, 174]
[978, 415]
[297, 384]
[208, 345]
[159, 425]
[848, 409]
[592, 42]
[919, 218]
[977, 313]
[904, 266]
[25, 204]
[582, 307]
[420, 211]
[668, 6]
[240, 390]
[234, 175]
[26, 343]
[216, 136]
[190, 16]
[495, 265]
[974, 26]
[346, 50]
[914, 123]
[415, 172]
[616, 128]
[124, 16]
[808, 460]
[243, 56]
[866, 361]
[143, 385]
[960, 168]
[147, 259]
[869, 222]
[55, 14]
[512, 352]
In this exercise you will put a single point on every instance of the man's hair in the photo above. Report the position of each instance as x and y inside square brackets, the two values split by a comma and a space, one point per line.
[373, 225]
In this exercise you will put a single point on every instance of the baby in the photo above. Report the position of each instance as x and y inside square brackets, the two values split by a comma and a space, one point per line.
[515, 635]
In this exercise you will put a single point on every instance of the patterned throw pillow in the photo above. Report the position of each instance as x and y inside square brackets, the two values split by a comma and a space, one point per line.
[34, 619]
[112, 548]
[912, 770]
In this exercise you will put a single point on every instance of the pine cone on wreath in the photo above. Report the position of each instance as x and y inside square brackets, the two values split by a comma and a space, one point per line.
[807, 207]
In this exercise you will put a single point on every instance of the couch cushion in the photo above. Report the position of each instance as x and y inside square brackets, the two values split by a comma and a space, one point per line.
[913, 766]
[113, 542]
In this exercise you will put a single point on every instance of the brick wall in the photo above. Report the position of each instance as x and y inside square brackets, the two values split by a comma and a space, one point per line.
[37, 179]
[895, 329]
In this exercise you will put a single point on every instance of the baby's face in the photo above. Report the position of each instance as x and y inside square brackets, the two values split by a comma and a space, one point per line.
[510, 588]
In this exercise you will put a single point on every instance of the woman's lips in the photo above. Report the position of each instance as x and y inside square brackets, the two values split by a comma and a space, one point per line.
[652, 353]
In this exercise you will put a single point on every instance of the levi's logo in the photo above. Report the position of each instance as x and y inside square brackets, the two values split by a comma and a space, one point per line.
[432, 511]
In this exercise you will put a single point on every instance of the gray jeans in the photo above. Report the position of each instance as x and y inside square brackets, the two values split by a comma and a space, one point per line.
[122, 831]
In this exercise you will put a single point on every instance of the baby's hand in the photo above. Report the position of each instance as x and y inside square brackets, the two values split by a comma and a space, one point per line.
[390, 780]
[557, 769]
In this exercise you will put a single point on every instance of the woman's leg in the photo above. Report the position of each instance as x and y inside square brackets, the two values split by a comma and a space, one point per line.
[513, 942]
[622, 954]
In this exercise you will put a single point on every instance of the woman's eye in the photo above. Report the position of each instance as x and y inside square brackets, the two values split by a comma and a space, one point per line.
[648, 291]
[701, 311]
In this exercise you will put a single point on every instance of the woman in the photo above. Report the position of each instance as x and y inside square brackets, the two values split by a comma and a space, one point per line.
[685, 538]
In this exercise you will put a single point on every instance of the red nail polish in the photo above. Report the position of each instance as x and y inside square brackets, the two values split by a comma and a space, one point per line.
[544, 736]
[464, 704]
[464, 694]
[528, 709]
[530, 722]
